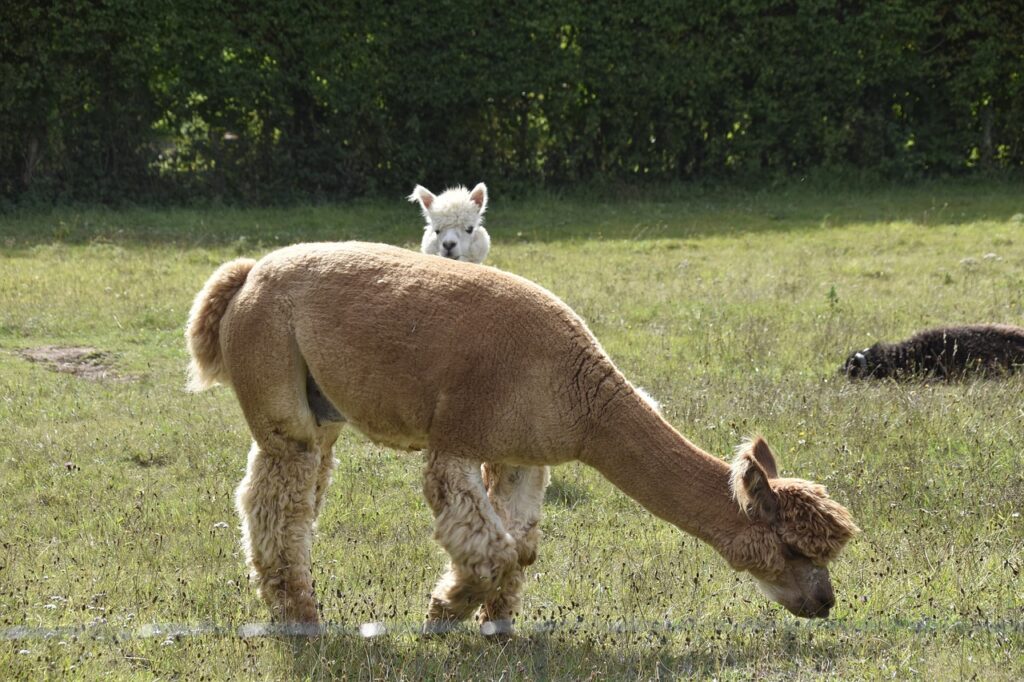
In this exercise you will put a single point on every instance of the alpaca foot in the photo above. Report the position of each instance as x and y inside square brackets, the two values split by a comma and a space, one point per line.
[502, 604]
[498, 630]
[454, 609]
[291, 607]
[439, 628]
[444, 617]
[303, 614]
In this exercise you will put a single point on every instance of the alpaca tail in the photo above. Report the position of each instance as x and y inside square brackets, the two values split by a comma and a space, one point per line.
[203, 330]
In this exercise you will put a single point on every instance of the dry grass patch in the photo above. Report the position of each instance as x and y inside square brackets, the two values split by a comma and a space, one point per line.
[83, 362]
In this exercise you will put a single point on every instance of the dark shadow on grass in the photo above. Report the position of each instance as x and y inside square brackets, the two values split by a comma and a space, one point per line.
[582, 653]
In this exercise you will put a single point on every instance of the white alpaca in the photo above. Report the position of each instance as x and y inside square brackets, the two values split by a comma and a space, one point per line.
[454, 226]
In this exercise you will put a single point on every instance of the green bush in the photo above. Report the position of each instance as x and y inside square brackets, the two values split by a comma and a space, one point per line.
[119, 100]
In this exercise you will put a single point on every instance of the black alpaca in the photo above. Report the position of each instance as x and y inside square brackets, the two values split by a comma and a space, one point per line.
[944, 353]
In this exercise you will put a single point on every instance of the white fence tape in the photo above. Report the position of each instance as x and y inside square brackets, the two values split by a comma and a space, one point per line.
[171, 632]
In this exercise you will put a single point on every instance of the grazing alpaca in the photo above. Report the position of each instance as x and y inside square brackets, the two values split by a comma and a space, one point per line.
[454, 226]
[944, 352]
[469, 364]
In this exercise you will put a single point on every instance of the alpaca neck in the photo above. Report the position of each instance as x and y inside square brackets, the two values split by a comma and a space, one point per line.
[642, 455]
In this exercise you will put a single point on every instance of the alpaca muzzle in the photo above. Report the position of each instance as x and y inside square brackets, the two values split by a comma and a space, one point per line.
[862, 362]
[856, 365]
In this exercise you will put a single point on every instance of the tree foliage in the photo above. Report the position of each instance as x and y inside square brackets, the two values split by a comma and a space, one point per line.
[116, 100]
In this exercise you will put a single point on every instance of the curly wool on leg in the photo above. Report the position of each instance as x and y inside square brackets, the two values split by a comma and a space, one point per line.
[276, 502]
[517, 495]
[481, 550]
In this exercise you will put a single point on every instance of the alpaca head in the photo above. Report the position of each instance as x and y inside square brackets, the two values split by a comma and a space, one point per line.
[866, 363]
[454, 226]
[796, 531]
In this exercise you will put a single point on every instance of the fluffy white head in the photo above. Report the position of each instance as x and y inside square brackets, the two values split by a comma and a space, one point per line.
[454, 226]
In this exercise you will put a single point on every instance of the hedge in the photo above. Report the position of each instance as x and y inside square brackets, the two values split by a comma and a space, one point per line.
[129, 100]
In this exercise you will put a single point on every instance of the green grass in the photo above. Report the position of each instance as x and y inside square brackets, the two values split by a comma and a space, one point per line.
[733, 309]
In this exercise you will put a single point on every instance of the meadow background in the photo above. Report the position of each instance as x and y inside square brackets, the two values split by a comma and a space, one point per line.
[733, 307]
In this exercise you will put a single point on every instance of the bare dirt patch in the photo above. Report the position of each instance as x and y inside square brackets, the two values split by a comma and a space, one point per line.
[81, 361]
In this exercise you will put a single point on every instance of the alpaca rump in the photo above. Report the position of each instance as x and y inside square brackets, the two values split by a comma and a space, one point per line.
[943, 352]
[472, 366]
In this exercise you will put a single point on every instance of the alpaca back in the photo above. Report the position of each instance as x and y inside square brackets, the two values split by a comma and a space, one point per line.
[405, 345]
[955, 350]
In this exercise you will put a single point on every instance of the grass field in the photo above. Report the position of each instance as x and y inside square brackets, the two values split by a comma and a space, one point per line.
[734, 309]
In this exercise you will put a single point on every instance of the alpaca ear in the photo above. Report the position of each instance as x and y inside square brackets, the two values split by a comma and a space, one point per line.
[763, 454]
[750, 485]
[423, 196]
[479, 196]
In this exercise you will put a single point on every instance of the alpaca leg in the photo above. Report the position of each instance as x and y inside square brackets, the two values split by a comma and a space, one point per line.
[517, 494]
[326, 437]
[277, 504]
[289, 465]
[480, 549]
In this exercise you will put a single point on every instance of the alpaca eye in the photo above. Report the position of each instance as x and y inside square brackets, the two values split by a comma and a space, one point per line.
[792, 554]
[470, 229]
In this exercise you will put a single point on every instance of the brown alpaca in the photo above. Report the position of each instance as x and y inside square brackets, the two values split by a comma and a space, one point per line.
[470, 365]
